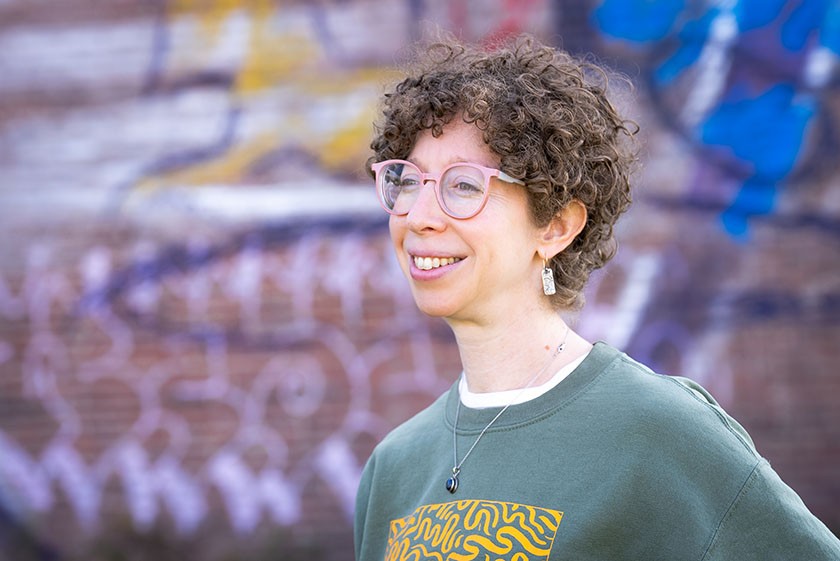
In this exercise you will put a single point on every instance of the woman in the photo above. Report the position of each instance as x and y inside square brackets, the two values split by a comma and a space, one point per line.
[504, 173]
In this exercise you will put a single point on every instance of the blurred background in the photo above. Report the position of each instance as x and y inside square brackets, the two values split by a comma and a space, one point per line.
[203, 332]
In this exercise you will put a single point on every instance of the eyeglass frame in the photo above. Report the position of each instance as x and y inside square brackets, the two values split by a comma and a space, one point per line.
[488, 173]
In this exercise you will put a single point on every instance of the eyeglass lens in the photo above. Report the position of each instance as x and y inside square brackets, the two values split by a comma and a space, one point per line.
[461, 188]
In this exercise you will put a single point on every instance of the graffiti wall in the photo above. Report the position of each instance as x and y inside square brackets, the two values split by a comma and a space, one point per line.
[203, 332]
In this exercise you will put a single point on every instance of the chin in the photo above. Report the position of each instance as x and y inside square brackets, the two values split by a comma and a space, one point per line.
[433, 309]
[435, 306]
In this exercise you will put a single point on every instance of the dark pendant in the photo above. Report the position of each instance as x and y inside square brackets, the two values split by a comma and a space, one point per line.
[452, 482]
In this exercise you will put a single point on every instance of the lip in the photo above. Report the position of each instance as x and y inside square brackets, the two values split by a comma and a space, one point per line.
[431, 274]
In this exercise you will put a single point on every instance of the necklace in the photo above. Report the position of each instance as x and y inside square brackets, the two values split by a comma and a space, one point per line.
[452, 482]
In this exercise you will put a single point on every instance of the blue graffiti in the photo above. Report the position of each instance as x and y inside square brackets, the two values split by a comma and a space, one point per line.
[830, 32]
[760, 118]
[765, 132]
[754, 198]
[805, 21]
[691, 39]
[754, 14]
[640, 20]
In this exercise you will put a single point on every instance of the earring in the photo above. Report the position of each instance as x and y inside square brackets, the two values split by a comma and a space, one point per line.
[548, 280]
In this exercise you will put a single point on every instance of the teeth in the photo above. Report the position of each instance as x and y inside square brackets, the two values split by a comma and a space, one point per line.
[427, 263]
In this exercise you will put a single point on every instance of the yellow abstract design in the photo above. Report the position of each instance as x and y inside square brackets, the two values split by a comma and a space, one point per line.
[474, 529]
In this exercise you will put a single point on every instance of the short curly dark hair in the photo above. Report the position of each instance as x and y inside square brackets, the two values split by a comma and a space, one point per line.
[546, 115]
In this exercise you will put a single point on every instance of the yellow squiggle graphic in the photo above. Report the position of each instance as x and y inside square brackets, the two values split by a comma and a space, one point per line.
[473, 529]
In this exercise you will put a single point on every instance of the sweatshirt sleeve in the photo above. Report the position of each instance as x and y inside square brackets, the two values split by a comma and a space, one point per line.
[768, 521]
[362, 497]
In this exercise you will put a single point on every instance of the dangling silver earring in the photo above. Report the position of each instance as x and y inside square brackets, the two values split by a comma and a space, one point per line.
[548, 280]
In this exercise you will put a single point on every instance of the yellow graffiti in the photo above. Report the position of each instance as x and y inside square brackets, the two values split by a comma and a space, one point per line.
[282, 70]
[213, 13]
[348, 146]
[228, 168]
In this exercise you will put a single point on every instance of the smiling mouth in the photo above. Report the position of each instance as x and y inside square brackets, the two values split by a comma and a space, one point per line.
[428, 263]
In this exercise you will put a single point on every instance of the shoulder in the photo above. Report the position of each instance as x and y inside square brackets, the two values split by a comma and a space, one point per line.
[768, 520]
[670, 409]
[412, 433]
[406, 448]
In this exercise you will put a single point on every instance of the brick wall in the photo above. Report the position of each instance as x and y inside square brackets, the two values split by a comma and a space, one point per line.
[203, 332]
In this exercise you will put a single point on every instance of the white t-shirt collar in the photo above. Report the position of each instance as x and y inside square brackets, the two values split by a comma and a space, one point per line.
[512, 397]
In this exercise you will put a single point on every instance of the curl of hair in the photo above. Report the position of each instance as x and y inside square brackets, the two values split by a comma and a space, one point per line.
[548, 118]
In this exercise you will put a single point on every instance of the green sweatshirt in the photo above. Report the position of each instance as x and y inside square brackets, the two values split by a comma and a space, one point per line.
[616, 462]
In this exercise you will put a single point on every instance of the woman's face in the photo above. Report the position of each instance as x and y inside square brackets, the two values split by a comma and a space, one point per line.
[496, 269]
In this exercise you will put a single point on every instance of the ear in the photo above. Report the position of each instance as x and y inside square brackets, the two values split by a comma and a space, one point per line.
[559, 234]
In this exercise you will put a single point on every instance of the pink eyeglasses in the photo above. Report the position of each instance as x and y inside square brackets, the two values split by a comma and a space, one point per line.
[461, 188]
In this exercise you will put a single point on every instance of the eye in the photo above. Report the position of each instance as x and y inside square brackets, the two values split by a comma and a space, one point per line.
[400, 177]
[463, 185]
[467, 187]
[408, 177]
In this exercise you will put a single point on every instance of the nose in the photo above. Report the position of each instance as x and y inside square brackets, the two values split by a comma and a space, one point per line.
[425, 213]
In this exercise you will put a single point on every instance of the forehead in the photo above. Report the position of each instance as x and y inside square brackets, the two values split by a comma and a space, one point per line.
[460, 142]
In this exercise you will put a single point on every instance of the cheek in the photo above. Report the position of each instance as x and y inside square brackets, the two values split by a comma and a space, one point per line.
[396, 229]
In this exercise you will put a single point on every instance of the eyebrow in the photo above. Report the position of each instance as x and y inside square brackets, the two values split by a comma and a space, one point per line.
[453, 160]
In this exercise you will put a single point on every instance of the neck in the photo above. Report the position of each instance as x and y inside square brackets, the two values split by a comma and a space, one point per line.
[507, 355]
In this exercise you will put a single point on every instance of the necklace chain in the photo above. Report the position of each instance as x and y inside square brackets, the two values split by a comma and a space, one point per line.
[452, 482]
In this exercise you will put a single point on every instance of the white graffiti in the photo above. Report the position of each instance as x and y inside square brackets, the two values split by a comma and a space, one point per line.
[296, 380]
[293, 382]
